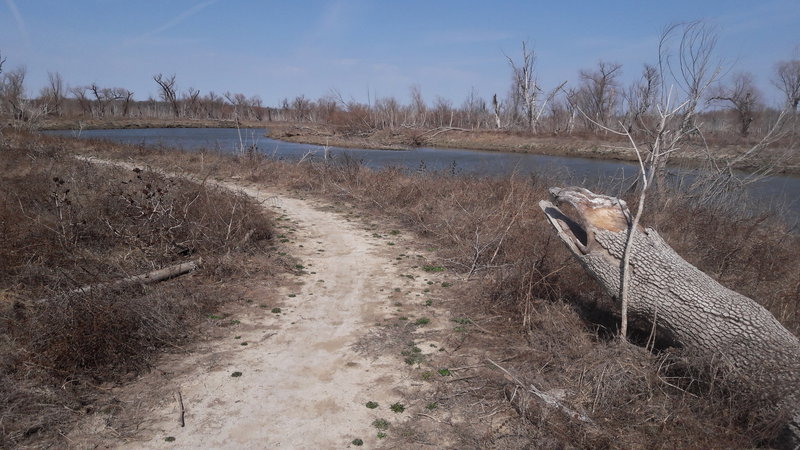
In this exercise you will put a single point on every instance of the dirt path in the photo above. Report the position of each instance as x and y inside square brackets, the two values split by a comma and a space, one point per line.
[302, 385]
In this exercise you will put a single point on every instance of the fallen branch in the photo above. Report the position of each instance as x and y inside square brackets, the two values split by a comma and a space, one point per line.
[151, 277]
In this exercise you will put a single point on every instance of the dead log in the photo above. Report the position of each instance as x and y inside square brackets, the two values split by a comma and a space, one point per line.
[686, 307]
[151, 277]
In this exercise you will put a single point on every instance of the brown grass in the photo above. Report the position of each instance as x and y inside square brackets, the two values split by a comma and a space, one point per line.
[542, 316]
[66, 224]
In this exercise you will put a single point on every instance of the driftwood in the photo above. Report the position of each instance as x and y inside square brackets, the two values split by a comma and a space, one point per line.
[685, 306]
[151, 277]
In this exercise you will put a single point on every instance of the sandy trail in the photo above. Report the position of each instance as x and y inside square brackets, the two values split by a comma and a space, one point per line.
[302, 385]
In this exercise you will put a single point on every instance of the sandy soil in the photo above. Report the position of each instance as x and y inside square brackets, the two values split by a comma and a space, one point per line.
[301, 384]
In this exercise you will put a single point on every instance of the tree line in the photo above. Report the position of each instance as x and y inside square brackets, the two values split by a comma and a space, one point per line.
[734, 105]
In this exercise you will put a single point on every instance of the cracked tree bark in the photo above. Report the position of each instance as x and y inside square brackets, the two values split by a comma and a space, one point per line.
[694, 311]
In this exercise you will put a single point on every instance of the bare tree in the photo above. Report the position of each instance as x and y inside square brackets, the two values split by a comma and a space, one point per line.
[419, 110]
[167, 85]
[642, 97]
[787, 79]
[524, 87]
[53, 93]
[496, 109]
[743, 97]
[12, 91]
[599, 93]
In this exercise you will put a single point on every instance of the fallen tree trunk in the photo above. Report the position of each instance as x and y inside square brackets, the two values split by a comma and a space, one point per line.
[151, 277]
[687, 307]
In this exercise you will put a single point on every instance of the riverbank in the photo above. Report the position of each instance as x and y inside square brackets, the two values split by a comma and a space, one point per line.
[607, 147]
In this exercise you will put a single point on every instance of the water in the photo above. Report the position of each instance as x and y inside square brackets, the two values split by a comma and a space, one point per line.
[779, 190]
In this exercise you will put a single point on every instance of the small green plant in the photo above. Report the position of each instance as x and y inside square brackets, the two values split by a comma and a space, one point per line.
[394, 232]
[358, 442]
[372, 405]
[445, 284]
[461, 320]
[276, 310]
[428, 302]
[422, 321]
[402, 318]
[236, 374]
[390, 243]
[299, 266]
[432, 405]
[292, 295]
[428, 268]
[214, 317]
[381, 435]
[243, 344]
[381, 424]
[170, 438]
[444, 372]
[397, 407]
[426, 375]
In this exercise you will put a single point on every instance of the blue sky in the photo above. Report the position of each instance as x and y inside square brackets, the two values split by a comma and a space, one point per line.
[278, 49]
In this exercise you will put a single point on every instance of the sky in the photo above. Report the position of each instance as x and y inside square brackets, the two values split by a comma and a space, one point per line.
[369, 49]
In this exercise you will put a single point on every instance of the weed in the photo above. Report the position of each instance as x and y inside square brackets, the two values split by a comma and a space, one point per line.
[426, 375]
[381, 424]
[428, 302]
[445, 284]
[236, 374]
[397, 407]
[444, 372]
[292, 295]
[394, 232]
[431, 406]
[372, 405]
[433, 268]
[276, 310]
[357, 442]
[422, 321]
[170, 439]
[461, 320]
[381, 435]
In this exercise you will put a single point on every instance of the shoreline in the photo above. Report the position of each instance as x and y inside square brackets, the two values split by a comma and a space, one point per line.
[401, 139]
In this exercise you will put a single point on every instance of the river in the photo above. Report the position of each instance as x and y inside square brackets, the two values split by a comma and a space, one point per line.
[783, 191]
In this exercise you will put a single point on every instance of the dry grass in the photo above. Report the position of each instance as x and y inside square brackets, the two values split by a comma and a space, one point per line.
[549, 323]
[66, 224]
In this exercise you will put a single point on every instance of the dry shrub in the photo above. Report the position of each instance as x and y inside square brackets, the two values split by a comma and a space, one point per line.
[66, 224]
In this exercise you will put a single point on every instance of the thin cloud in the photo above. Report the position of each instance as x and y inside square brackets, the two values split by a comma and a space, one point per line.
[23, 30]
[172, 22]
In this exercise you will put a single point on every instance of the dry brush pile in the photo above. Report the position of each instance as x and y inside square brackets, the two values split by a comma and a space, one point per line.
[66, 224]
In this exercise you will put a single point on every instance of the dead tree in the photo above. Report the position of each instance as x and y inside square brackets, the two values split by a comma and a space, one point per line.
[524, 87]
[787, 79]
[599, 93]
[743, 97]
[642, 97]
[168, 94]
[686, 307]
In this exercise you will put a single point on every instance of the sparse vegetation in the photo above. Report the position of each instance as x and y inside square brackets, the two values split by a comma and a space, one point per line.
[397, 407]
[65, 224]
[381, 424]
[372, 405]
